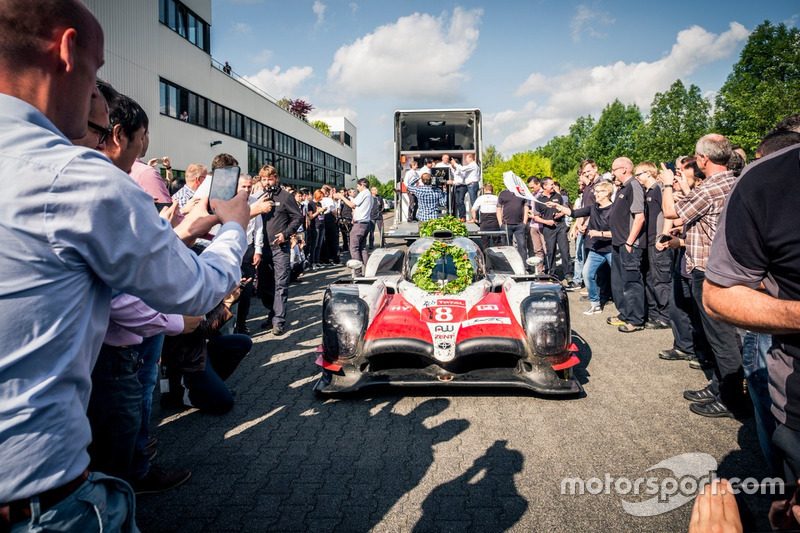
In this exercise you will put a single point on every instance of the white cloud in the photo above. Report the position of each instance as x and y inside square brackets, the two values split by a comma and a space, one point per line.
[279, 84]
[394, 60]
[319, 11]
[580, 92]
[242, 27]
[586, 21]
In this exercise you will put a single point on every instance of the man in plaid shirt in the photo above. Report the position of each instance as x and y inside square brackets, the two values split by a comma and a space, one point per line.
[429, 199]
[699, 209]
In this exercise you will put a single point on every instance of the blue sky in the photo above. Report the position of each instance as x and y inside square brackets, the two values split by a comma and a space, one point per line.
[531, 67]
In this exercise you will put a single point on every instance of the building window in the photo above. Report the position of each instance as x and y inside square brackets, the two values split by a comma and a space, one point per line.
[183, 21]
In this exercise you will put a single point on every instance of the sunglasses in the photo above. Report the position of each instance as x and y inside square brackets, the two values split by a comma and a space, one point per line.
[104, 132]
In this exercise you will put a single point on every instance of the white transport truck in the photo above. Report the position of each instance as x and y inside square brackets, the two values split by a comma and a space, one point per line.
[430, 133]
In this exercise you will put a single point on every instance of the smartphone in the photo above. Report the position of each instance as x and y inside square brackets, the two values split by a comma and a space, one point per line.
[670, 166]
[224, 183]
[664, 239]
[162, 205]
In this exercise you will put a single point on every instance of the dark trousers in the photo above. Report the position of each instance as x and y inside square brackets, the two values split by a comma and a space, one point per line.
[682, 312]
[412, 207]
[331, 240]
[345, 226]
[460, 192]
[489, 223]
[557, 235]
[273, 281]
[787, 441]
[726, 382]
[316, 237]
[206, 389]
[115, 411]
[248, 271]
[376, 226]
[515, 236]
[657, 283]
[627, 285]
[358, 243]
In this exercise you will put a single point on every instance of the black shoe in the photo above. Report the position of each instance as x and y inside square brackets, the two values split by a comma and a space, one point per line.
[277, 330]
[244, 330]
[159, 480]
[702, 395]
[656, 324]
[674, 355]
[713, 409]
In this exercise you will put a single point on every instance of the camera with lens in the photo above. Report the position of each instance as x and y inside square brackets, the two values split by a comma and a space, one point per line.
[271, 190]
[439, 177]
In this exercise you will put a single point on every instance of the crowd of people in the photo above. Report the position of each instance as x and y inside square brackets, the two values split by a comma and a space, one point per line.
[84, 209]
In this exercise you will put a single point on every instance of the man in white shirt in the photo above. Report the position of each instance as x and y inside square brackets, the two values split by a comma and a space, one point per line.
[470, 176]
[486, 205]
[362, 208]
[410, 179]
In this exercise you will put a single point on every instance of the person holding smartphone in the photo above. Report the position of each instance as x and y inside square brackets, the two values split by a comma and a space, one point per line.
[274, 267]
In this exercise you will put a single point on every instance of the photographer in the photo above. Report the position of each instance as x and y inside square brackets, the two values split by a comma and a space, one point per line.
[280, 224]
[429, 198]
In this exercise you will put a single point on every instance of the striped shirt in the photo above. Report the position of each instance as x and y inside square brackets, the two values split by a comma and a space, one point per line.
[700, 212]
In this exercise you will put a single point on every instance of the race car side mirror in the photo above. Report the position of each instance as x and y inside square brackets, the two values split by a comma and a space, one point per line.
[355, 265]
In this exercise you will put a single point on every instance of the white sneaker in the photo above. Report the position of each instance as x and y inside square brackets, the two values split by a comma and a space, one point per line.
[593, 310]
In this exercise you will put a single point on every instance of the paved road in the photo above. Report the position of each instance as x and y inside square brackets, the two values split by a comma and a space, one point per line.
[443, 460]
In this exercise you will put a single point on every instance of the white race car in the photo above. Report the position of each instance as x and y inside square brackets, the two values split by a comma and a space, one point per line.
[457, 317]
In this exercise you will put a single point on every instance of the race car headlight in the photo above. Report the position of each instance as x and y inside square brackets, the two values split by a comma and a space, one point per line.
[546, 324]
[344, 322]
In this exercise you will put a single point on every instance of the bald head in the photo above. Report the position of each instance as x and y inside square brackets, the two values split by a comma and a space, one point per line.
[622, 168]
[50, 51]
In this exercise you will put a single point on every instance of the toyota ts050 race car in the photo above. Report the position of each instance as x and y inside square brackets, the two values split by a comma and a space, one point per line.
[445, 312]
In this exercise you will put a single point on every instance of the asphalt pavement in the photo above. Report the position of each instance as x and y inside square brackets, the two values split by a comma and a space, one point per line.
[439, 459]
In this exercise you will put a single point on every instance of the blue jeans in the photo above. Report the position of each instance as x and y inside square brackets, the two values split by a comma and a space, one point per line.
[149, 352]
[101, 503]
[115, 411]
[593, 263]
[472, 189]
[754, 364]
[579, 259]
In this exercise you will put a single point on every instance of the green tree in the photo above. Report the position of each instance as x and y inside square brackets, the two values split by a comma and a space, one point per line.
[523, 164]
[322, 126]
[284, 103]
[677, 119]
[491, 157]
[763, 88]
[614, 134]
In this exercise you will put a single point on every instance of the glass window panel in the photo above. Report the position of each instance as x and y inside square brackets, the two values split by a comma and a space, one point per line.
[163, 98]
[201, 111]
[172, 101]
[171, 14]
[181, 15]
[220, 117]
[192, 27]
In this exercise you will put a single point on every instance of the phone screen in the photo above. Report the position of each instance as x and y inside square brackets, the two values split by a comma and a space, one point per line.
[670, 166]
[224, 182]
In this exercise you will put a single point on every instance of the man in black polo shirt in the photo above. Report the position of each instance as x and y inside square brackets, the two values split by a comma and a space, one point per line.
[755, 243]
[512, 215]
[627, 245]
[554, 230]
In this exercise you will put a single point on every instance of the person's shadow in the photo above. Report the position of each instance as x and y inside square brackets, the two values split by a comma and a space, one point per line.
[484, 498]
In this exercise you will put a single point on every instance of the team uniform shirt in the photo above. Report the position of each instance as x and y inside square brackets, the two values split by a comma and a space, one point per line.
[377, 208]
[74, 226]
[756, 242]
[653, 213]
[629, 202]
[700, 212]
[486, 204]
[598, 220]
[513, 207]
[549, 213]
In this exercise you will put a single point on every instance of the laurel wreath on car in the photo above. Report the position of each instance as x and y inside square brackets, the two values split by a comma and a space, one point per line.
[449, 222]
[427, 262]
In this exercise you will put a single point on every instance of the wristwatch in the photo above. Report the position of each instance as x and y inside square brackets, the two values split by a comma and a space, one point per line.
[667, 185]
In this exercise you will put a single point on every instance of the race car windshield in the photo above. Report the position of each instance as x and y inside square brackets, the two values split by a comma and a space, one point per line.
[445, 269]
